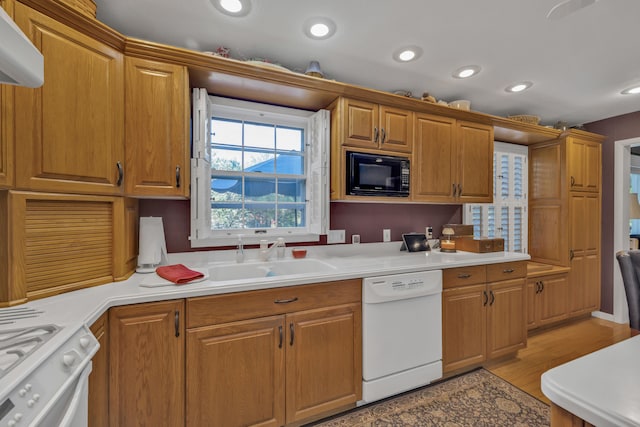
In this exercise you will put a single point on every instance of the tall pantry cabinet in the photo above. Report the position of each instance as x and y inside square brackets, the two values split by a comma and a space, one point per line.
[565, 211]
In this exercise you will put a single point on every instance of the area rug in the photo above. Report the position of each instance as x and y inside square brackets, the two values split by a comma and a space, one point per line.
[477, 399]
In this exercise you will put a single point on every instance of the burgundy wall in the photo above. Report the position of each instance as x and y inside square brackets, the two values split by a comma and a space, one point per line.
[365, 219]
[615, 129]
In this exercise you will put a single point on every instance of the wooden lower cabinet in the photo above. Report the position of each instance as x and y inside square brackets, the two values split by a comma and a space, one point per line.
[284, 367]
[547, 299]
[146, 363]
[482, 321]
[99, 377]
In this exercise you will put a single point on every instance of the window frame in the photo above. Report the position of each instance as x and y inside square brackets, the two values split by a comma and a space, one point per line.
[315, 153]
[499, 203]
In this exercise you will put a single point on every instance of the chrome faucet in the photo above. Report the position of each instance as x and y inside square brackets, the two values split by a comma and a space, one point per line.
[240, 251]
[266, 250]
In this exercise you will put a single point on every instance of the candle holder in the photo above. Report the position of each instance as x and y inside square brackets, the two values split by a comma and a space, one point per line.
[447, 244]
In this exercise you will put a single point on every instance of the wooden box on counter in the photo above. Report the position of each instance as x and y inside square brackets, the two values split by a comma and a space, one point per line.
[481, 245]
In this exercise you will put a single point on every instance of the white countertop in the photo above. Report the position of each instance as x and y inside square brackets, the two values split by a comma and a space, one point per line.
[72, 309]
[602, 388]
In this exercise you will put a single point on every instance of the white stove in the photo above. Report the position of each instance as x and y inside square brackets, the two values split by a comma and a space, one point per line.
[44, 371]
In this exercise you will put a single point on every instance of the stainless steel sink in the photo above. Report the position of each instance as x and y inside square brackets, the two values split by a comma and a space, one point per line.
[246, 271]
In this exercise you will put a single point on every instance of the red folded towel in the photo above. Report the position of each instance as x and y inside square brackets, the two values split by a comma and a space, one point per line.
[178, 273]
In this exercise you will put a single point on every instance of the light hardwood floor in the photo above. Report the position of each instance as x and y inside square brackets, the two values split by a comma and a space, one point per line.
[553, 347]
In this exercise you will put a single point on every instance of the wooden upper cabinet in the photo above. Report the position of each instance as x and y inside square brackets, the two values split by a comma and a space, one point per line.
[6, 135]
[156, 129]
[70, 129]
[433, 168]
[547, 172]
[474, 162]
[584, 164]
[452, 161]
[373, 126]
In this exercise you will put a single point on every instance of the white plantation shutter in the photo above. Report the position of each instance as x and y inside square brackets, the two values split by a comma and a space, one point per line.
[506, 217]
[200, 166]
[318, 182]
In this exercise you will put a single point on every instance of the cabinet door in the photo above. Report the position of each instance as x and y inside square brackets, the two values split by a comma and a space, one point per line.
[552, 299]
[147, 364]
[464, 332]
[235, 374]
[533, 288]
[432, 172]
[360, 124]
[6, 135]
[99, 377]
[584, 164]
[70, 129]
[584, 278]
[156, 128]
[396, 129]
[324, 360]
[506, 325]
[546, 172]
[474, 158]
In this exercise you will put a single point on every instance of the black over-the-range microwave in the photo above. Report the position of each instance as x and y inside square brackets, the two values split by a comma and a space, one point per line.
[376, 175]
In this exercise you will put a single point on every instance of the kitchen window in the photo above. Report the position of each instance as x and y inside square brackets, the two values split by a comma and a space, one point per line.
[506, 217]
[259, 172]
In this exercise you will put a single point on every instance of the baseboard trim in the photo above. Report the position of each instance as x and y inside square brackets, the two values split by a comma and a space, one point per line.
[605, 316]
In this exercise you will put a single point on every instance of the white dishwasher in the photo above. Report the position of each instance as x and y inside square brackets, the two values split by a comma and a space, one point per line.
[401, 333]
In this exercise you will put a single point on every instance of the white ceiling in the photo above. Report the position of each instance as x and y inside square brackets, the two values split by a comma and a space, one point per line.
[578, 64]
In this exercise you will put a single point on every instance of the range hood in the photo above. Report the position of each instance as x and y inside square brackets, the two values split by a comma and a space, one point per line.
[21, 63]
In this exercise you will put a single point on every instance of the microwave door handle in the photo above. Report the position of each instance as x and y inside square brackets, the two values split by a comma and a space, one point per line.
[77, 398]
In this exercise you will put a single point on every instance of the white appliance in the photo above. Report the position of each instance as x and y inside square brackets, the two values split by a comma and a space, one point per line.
[20, 62]
[45, 385]
[402, 333]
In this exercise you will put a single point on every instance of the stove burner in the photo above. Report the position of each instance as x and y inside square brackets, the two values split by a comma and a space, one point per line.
[16, 344]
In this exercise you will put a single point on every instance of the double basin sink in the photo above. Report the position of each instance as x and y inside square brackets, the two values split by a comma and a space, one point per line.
[254, 270]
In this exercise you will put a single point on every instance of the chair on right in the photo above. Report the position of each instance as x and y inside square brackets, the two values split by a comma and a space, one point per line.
[630, 268]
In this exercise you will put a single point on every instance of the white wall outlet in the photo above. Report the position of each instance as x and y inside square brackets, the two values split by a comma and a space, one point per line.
[336, 236]
[355, 239]
[386, 235]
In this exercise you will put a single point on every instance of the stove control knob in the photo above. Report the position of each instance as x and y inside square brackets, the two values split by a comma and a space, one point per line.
[27, 386]
[17, 416]
[11, 423]
[22, 392]
[84, 342]
[69, 359]
[30, 403]
[36, 397]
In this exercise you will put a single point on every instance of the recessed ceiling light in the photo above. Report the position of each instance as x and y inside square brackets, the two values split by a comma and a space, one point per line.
[518, 87]
[466, 71]
[233, 7]
[407, 53]
[631, 91]
[319, 28]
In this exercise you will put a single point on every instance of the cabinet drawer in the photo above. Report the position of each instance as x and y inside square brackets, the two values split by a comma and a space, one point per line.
[463, 276]
[506, 271]
[217, 309]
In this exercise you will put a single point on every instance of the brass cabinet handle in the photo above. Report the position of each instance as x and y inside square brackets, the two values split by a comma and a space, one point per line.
[280, 332]
[375, 134]
[486, 298]
[120, 174]
[541, 286]
[453, 186]
[508, 270]
[177, 323]
[178, 176]
[383, 136]
[291, 333]
[493, 298]
[573, 181]
[464, 276]
[571, 254]
[285, 301]
[459, 190]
